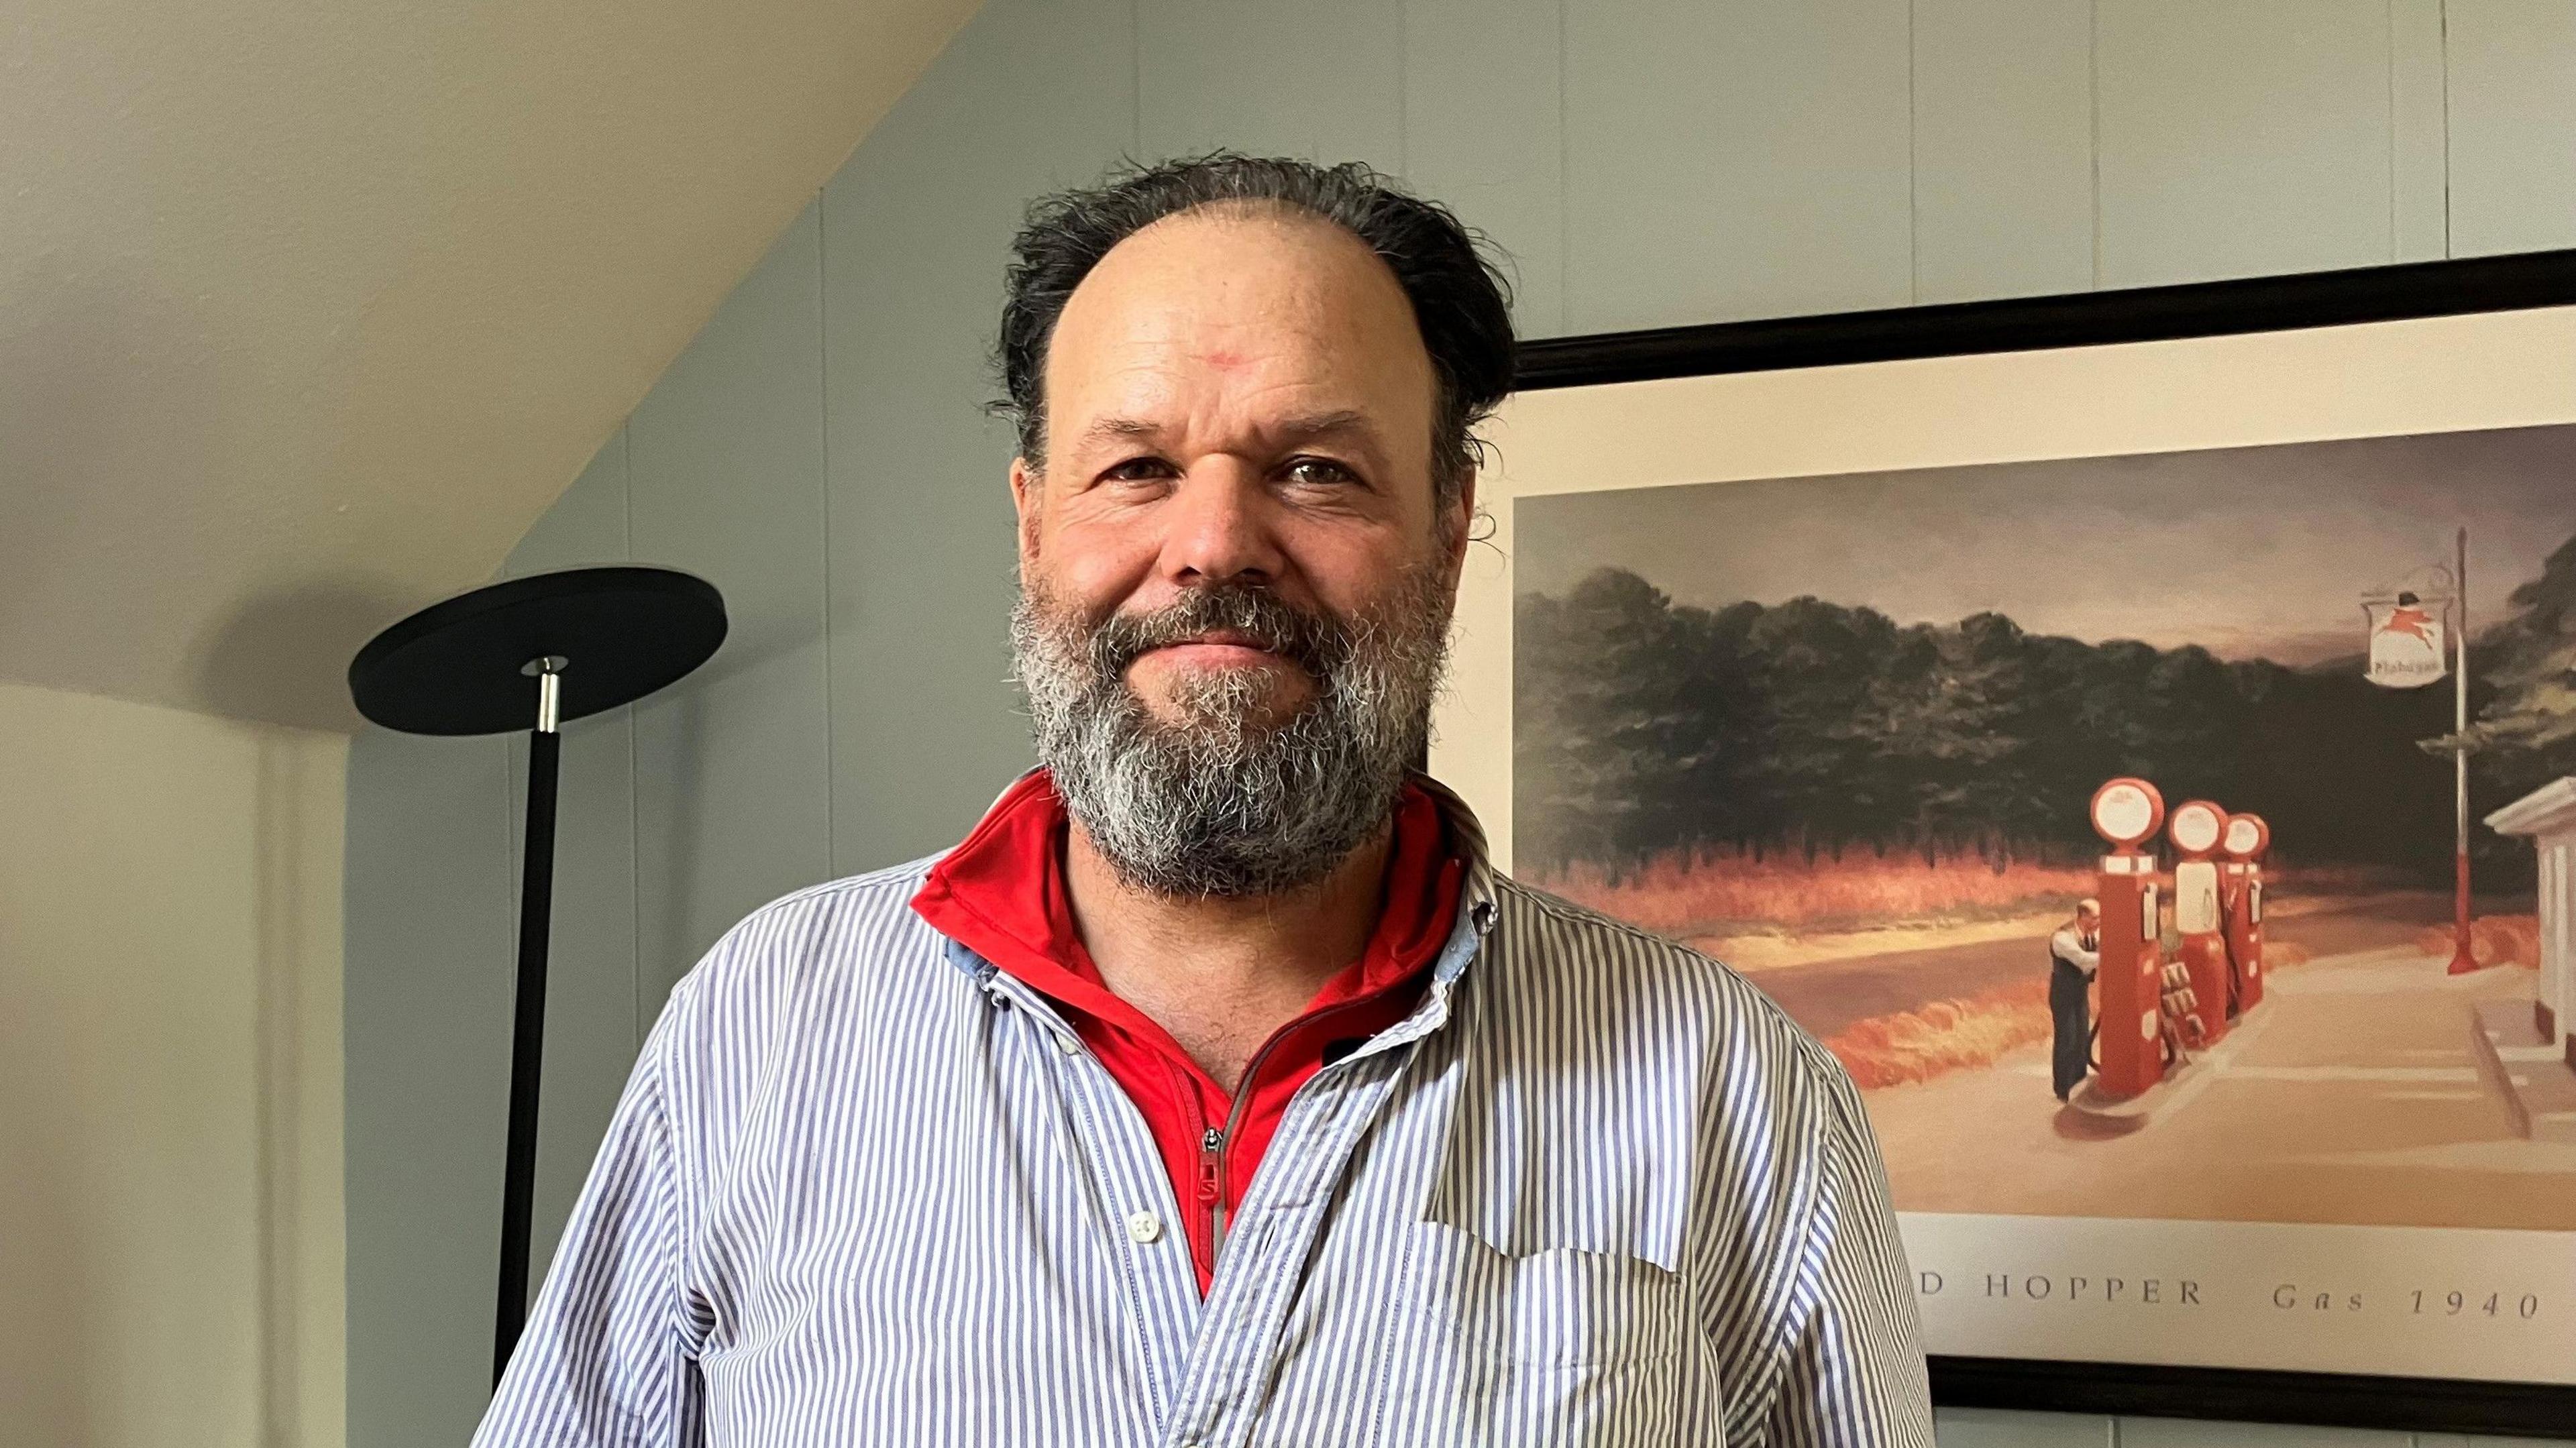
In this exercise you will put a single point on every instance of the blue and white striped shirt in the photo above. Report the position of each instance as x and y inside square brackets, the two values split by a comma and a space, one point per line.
[864, 1188]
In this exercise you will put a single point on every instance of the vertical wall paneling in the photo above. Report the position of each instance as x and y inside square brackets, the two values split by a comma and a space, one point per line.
[1482, 133]
[1320, 78]
[2238, 139]
[925, 723]
[2419, 130]
[726, 466]
[590, 973]
[426, 1043]
[586, 526]
[2513, 125]
[2003, 148]
[820, 450]
[1735, 158]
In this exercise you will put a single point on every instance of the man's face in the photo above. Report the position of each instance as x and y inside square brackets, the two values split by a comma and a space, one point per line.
[1235, 579]
[2088, 921]
[1234, 398]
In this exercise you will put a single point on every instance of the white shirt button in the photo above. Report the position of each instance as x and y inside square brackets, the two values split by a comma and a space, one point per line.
[1067, 1044]
[1144, 1228]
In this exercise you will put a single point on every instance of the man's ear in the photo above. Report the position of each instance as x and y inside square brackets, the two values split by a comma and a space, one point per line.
[1461, 524]
[1028, 489]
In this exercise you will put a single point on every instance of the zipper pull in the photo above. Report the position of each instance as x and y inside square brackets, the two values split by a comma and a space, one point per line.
[1212, 1166]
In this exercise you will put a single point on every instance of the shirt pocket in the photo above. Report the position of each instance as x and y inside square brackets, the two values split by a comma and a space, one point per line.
[1561, 1345]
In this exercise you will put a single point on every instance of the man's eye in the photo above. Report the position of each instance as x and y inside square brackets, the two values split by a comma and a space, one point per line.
[1318, 470]
[1139, 469]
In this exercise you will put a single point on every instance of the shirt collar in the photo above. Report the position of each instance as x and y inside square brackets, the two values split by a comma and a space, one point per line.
[1477, 894]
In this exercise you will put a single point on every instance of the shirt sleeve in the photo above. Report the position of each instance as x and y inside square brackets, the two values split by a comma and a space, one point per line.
[2067, 946]
[607, 1358]
[1854, 1375]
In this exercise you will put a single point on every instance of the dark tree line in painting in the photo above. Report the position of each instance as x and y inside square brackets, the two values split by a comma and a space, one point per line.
[1645, 728]
[2526, 736]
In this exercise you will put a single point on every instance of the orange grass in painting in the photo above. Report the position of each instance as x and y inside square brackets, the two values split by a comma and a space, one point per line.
[1943, 1036]
[1958, 1035]
[2493, 940]
[1686, 895]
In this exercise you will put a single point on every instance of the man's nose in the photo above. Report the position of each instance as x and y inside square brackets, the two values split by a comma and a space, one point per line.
[1220, 528]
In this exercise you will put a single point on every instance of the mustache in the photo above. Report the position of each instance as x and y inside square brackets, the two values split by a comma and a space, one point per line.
[1315, 642]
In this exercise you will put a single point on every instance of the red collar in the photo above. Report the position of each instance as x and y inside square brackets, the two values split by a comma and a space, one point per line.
[1002, 894]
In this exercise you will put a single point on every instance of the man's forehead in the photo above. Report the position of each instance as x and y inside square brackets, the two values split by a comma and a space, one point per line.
[1228, 292]
[1277, 328]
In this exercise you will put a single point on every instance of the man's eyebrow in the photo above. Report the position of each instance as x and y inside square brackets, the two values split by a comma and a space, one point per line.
[1343, 423]
[1305, 427]
[1121, 429]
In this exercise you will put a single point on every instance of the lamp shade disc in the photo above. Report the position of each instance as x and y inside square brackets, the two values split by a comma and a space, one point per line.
[460, 667]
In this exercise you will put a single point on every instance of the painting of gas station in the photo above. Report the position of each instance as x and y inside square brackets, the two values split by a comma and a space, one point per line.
[2185, 836]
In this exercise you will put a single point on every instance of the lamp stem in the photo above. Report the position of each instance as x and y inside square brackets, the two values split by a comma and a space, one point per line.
[528, 1019]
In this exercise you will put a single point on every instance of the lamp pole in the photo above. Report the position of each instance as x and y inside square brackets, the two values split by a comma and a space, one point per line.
[528, 1013]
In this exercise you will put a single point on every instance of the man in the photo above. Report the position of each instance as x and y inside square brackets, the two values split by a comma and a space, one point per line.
[2074, 958]
[1214, 1091]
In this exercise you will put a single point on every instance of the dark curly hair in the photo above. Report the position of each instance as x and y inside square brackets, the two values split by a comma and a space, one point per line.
[1460, 300]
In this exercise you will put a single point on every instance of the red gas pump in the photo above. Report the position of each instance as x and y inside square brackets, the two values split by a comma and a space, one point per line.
[2197, 828]
[2241, 892]
[2126, 813]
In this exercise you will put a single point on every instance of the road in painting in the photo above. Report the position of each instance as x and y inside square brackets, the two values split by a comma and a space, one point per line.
[1841, 734]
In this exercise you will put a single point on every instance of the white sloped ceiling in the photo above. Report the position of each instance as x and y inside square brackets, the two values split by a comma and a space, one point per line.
[308, 310]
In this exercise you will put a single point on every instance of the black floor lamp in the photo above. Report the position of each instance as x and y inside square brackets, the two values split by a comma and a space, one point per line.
[536, 651]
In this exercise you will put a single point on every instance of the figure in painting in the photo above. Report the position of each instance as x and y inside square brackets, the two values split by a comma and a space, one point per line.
[2074, 956]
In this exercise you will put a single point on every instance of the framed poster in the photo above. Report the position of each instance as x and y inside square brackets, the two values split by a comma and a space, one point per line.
[1815, 644]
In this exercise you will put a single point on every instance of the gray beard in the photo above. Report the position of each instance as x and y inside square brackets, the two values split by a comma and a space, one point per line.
[1227, 802]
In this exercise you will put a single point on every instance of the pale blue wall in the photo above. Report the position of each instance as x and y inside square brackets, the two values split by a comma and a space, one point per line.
[818, 452]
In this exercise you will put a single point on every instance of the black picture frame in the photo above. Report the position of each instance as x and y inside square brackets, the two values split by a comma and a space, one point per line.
[2192, 310]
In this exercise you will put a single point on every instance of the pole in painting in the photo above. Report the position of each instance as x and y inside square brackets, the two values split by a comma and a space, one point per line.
[534, 653]
[2462, 959]
[2408, 650]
